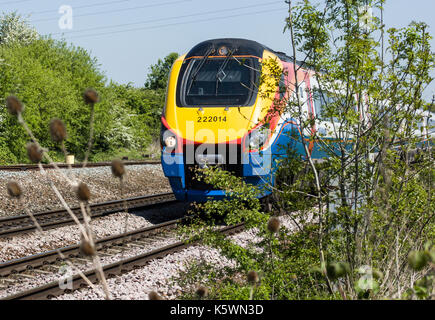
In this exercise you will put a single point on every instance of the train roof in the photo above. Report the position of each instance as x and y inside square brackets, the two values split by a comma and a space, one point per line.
[243, 47]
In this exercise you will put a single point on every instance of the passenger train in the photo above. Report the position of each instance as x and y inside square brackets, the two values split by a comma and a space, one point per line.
[215, 115]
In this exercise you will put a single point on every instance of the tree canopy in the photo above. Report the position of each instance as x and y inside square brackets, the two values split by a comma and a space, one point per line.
[14, 28]
[50, 76]
[158, 76]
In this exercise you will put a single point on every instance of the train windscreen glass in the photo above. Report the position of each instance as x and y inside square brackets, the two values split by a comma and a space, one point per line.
[219, 82]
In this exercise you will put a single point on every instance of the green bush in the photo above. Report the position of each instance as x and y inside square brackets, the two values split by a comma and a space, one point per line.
[50, 76]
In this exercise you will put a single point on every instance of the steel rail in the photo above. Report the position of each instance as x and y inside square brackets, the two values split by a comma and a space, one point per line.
[53, 289]
[25, 167]
[20, 224]
[38, 260]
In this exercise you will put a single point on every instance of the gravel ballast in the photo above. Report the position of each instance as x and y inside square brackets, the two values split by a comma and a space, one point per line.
[40, 280]
[38, 196]
[157, 275]
[33, 243]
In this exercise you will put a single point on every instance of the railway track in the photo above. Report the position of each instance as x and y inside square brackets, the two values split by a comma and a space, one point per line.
[20, 224]
[49, 263]
[25, 167]
[30, 267]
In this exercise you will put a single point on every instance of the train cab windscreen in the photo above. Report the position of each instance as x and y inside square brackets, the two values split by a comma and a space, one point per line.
[225, 81]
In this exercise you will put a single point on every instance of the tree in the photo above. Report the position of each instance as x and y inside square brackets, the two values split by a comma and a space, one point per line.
[14, 28]
[365, 217]
[159, 72]
[49, 77]
[371, 91]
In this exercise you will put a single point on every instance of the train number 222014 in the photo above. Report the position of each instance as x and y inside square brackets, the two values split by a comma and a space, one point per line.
[212, 119]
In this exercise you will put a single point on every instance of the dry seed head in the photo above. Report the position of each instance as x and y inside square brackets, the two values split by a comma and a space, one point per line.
[57, 130]
[91, 96]
[202, 291]
[342, 268]
[273, 225]
[14, 105]
[337, 270]
[34, 152]
[377, 274]
[118, 168]
[253, 277]
[86, 248]
[331, 271]
[417, 260]
[14, 189]
[83, 192]
[154, 296]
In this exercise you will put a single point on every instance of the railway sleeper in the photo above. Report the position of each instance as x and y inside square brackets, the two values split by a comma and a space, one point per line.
[135, 245]
[26, 275]
[113, 250]
[41, 271]
[143, 243]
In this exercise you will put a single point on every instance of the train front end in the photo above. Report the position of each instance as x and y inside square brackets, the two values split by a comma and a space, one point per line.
[214, 116]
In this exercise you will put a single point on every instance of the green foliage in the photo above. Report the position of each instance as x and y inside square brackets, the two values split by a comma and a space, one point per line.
[419, 260]
[50, 77]
[365, 215]
[15, 29]
[158, 77]
[146, 107]
[283, 260]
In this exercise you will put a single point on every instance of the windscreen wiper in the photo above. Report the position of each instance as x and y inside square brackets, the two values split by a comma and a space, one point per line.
[199, 66]
[220, 74]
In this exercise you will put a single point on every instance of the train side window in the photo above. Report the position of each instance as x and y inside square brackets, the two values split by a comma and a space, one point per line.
[282, 87]
[303, 97]
[319, 102]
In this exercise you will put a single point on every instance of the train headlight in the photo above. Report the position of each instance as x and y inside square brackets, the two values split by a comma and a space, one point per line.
[258, 137]
[170, 141]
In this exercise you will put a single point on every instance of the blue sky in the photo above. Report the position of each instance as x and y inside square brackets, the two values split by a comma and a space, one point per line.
[127, 36]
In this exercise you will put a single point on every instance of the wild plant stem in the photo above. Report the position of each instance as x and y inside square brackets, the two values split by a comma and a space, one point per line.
[91, 135]
[63, 202]
[61, 255]
[97, 263]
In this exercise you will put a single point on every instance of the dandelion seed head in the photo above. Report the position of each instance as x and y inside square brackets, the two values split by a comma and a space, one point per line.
[91, 96]
[201, 291]
[57, 130]
[253, 277]
[14, 189]
[83, 192]
[118, 168]
[273, 224]
[86, 248]
[34, 152]
[14, 105]
[154, 296]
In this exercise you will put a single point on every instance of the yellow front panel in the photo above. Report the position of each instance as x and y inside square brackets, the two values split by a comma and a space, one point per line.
[213, 124]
